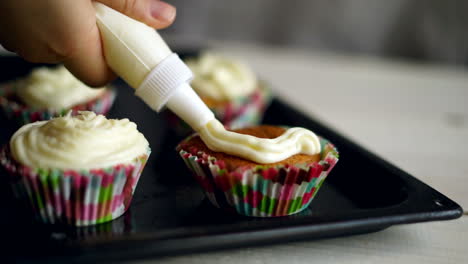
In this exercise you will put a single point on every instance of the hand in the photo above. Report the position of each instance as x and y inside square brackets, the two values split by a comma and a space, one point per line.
[65, 31]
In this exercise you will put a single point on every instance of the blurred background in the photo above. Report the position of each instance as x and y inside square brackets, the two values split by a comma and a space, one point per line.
[425, 30]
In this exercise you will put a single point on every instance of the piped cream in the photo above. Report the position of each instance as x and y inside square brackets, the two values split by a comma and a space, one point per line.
[261, 150]
[85, 141]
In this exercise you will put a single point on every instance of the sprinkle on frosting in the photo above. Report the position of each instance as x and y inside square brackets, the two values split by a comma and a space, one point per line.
[84, 141]
[54, 88]
[261, 150]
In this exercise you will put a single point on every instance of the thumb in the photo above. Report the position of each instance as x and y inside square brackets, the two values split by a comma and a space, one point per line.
[154, 13]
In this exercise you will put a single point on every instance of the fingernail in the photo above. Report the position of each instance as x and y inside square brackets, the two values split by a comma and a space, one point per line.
[162, 11]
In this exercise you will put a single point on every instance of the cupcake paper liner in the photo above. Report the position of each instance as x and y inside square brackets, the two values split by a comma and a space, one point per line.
[261, 191]
[237, 113]
[23, 114]
[110, 229]
[74, 197]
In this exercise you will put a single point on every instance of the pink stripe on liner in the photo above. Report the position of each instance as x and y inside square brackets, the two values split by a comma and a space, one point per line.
[94, 211]
[222, 182]
[35, 117]
[286, 192]
[237, 176]
[58, 205]
[205, 183]
[307, 196]
[253, 198]
[314, 171]
[68, 211]
[117, 201]
[85, 214]
[76, 203]
[107, 180]
[291, 176]
[270, 174]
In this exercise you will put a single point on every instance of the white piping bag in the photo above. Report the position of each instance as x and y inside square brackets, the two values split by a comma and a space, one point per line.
[137, 53]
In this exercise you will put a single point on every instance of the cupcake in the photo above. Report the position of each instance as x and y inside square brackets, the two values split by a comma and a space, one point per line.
[229, 88]
[264, 187]
[76, 170]
[50, 92]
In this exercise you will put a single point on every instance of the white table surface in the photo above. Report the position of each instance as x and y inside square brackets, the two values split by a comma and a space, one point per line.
[413, 115]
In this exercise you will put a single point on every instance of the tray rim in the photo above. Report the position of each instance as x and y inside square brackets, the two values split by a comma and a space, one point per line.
[223, 239]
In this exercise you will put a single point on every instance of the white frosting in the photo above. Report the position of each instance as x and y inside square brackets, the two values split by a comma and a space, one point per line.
[261, 150]
[54, 88]
[132, 49]
[84, 141]
[221, 78]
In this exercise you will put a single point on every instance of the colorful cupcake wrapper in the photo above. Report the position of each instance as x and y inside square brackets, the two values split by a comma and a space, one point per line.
[23, 114]
[244, 111]
[262, 191]
[238, 113]
[110, 229]
[74, 197]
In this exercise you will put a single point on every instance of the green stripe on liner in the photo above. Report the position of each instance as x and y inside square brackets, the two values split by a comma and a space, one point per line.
[42, 174]
[266, 205]
[240, 190]
[39, 202]
[103, 219]
[271, 204]
[55, 179]
[105, 193]
[294, 205]
[245, 208]
[263, 187]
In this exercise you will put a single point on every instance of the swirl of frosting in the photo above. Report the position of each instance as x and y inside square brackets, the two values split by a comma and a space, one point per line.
[84, 141]
[221, 78]
[54, 88]
[261, 150]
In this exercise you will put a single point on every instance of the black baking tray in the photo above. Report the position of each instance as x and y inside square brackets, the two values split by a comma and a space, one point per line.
[169, 214]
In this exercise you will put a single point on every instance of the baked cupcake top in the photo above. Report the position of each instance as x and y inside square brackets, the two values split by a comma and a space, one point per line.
[84, 141]
[232, 162]
[53, 88]
[221, 78]
[262, 149]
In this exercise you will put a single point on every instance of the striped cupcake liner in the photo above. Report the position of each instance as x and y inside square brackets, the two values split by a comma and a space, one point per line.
[261, 191]
[23, 114]
[111, 229]
[237, 113]
[74, 197]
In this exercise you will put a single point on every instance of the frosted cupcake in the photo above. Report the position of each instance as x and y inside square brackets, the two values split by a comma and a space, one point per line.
[274, 171]
[78, 170]
[50, 92]
[229, 88]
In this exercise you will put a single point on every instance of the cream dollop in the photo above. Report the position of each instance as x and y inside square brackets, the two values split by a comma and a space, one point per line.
[221, 78]
[54, 88]
[84, 141]
[261, 150]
